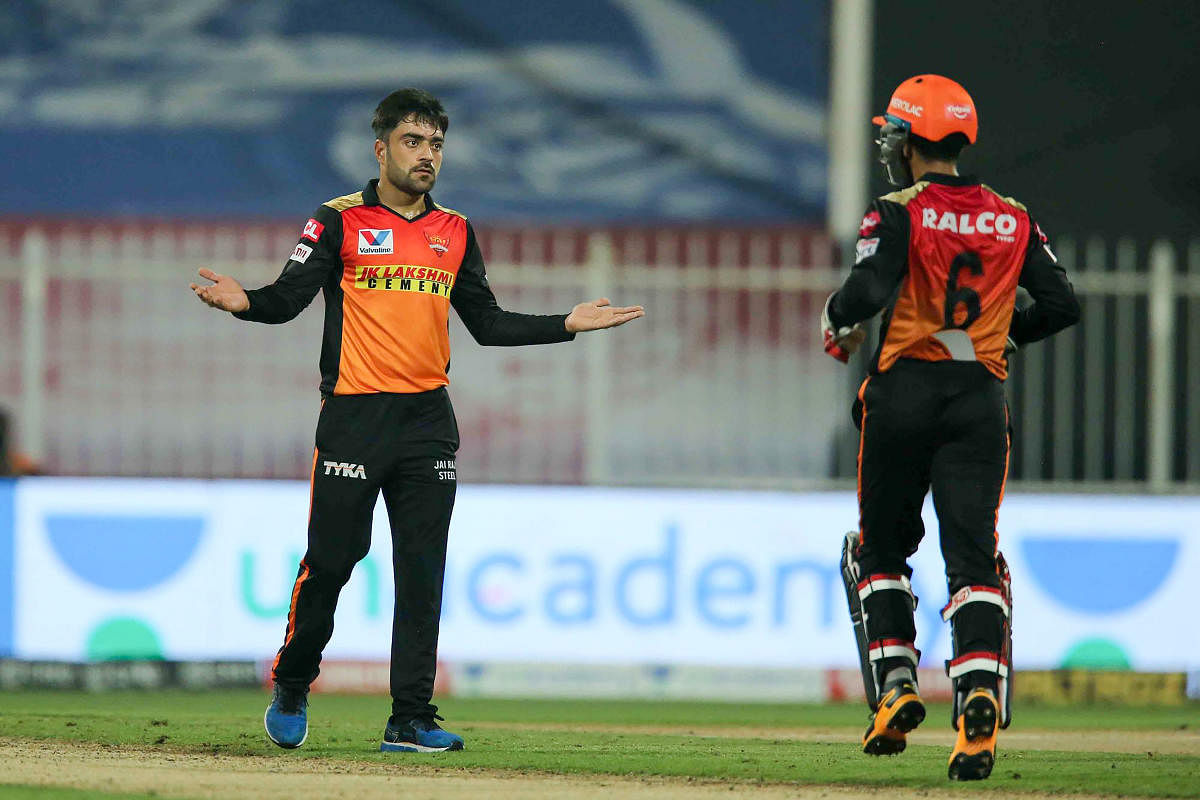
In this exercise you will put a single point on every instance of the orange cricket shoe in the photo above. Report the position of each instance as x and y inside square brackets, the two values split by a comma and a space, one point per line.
[975, 750]
[900, 710]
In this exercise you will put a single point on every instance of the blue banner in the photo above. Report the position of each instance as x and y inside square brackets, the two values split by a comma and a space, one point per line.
[621, 110]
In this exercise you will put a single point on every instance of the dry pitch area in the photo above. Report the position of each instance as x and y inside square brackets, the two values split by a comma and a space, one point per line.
[147, 771]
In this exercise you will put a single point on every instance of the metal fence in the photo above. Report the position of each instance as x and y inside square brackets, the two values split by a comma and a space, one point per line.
[112, 367]
[1109, 400]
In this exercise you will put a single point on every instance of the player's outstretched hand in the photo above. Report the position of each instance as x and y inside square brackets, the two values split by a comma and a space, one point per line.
[598, 314]
[225, 293]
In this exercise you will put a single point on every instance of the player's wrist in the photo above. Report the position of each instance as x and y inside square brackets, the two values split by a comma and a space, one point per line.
[243, 305]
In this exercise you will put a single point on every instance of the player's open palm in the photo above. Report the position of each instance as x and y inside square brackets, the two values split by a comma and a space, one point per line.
[225, 293]
[599, 314]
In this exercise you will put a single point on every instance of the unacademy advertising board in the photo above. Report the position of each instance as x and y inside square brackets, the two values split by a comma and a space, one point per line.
[183, 569]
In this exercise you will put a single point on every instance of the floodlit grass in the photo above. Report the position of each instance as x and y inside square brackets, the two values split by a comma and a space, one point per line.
[602, 737]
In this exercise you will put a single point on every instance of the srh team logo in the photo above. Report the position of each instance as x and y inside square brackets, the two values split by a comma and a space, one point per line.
[312, 230]
[438, 244]
[375, 242]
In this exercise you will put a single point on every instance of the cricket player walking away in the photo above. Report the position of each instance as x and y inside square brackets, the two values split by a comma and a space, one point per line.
[391, 263]
[942, 257]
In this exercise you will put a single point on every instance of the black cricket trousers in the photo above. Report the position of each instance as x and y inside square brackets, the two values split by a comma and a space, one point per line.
[940, 425]
[403, 445]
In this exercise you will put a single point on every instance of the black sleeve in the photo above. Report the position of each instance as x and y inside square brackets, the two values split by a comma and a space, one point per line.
[316, 255]
[1054, 304]
[881, 261]
[472, 298]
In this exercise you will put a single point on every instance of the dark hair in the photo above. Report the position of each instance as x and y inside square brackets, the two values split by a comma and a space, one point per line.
[404, 103]
[946, 149]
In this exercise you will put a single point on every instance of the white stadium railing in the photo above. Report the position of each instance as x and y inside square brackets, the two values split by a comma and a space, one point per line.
[111, 367]
[1109, 400]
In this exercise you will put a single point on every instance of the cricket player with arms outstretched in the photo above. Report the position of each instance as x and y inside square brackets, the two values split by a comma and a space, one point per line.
[391, 264]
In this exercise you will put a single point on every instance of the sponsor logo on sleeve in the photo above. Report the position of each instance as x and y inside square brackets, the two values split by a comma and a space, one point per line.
[865, 249]
[375, 241]
[301, 253]
[1045, 240]
[869, 223]
[312, 230]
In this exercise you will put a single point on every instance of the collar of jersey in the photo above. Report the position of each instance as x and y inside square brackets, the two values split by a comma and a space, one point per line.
[370, 195]
[950, 180]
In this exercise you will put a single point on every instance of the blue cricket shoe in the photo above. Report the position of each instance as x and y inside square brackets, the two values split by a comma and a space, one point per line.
[286, 719]
[418, 735]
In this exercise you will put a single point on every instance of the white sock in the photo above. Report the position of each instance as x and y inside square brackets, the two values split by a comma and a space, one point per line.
[897, 674]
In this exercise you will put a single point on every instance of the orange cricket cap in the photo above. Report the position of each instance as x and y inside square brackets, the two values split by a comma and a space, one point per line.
[934, 107]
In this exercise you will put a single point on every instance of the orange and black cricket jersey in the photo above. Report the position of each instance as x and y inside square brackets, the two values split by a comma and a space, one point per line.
[944, 257]
[389, 283]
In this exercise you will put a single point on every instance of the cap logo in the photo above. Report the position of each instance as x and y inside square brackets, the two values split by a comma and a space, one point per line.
[959, 112]
[907, 107]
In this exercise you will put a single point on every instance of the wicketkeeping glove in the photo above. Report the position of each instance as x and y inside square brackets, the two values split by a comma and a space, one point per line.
[841, 343]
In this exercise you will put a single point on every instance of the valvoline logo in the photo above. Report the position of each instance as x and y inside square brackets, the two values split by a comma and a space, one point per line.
[375, 241]
[1100, 576]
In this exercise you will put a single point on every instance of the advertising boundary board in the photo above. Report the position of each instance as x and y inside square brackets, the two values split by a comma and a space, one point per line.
[7, 565]
[202, 570]
[596, 681]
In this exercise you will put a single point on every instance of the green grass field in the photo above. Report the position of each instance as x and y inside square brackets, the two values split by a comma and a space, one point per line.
[1052, 750]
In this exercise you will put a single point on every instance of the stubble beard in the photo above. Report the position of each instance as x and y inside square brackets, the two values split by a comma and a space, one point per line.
[406, 182]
